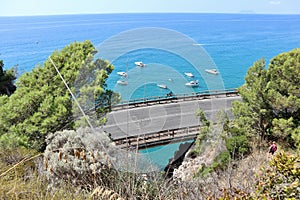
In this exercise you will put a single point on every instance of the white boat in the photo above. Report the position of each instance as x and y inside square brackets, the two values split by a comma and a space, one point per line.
[122, 74]
[140, 64]
[192, 83]
[212, 71]
[163, 86]
[122, 82]
[189, 74]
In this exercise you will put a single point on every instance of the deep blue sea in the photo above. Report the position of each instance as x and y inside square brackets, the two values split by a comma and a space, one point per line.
[231, 41]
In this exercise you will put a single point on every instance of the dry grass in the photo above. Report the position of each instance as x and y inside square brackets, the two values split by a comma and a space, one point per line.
[23, 179]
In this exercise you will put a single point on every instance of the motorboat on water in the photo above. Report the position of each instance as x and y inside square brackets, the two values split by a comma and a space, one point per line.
[122, 82]
[212, 71]
[193, 83]
[122, 74]
[163, 86]
[140, 64]
[189, 74]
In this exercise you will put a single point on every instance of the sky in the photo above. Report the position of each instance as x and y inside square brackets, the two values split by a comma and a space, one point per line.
[59, 7]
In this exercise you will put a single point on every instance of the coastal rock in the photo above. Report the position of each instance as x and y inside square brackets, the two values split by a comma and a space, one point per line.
[190, 166]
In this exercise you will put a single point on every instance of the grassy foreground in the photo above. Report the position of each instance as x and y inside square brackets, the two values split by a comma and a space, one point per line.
[259, 176]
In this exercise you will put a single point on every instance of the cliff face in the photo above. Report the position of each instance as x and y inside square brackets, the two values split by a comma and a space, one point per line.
[178, 158]
[190, 166]
[240, 175]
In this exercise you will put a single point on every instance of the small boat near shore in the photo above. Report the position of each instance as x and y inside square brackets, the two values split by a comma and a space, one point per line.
[163, 86]
[122, 74]
[193, 83]
[212, 71]
[122, 82]
[140, 64]
[189, 74]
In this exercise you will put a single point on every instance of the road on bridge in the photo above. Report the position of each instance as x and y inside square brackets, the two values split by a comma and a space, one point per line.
[162, 117]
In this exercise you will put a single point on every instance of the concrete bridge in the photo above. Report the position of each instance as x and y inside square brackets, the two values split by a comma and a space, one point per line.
[150, 122]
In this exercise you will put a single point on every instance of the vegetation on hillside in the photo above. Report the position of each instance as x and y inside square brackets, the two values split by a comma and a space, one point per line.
[280, 179]
[269, 111]
[43, 157]
[270, 106]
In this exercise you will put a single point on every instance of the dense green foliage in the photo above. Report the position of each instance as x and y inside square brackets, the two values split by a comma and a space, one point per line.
[238, 146]
[251, 113]
[41, 104]
[6, 80]
[271, 104]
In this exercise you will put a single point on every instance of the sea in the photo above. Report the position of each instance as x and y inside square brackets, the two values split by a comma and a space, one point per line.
[169, 44]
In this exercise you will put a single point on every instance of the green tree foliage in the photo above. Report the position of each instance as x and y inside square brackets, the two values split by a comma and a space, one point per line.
[283, 95]
[271, 103]
[238, 146]
[283, 89]
[41, 104]
[205, 130]
[251, 113]
[6, 80]
[296, 137]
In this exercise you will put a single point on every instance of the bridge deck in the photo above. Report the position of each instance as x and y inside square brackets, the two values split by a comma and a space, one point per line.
[151, 124]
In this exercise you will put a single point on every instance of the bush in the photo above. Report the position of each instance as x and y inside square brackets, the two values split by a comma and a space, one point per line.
[281, 180]
[237, 146]
[220, 163]
[77, 157]
[222, 160]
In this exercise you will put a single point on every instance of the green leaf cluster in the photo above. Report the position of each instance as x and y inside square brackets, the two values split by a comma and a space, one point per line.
[42, 104]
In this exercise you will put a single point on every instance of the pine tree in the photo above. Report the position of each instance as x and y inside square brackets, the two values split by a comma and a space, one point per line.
[42, 104]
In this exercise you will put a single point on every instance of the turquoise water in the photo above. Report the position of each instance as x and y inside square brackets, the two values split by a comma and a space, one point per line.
[160, 155]
[233, 41]
[229, 42]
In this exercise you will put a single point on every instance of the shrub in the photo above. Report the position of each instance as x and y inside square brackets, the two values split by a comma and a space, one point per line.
[77, 157]
[281, 179]
[237, 146]
[222, 160]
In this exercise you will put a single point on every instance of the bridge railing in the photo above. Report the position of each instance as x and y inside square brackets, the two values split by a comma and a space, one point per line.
[165, 135]
[174, 98]
[180, 95]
